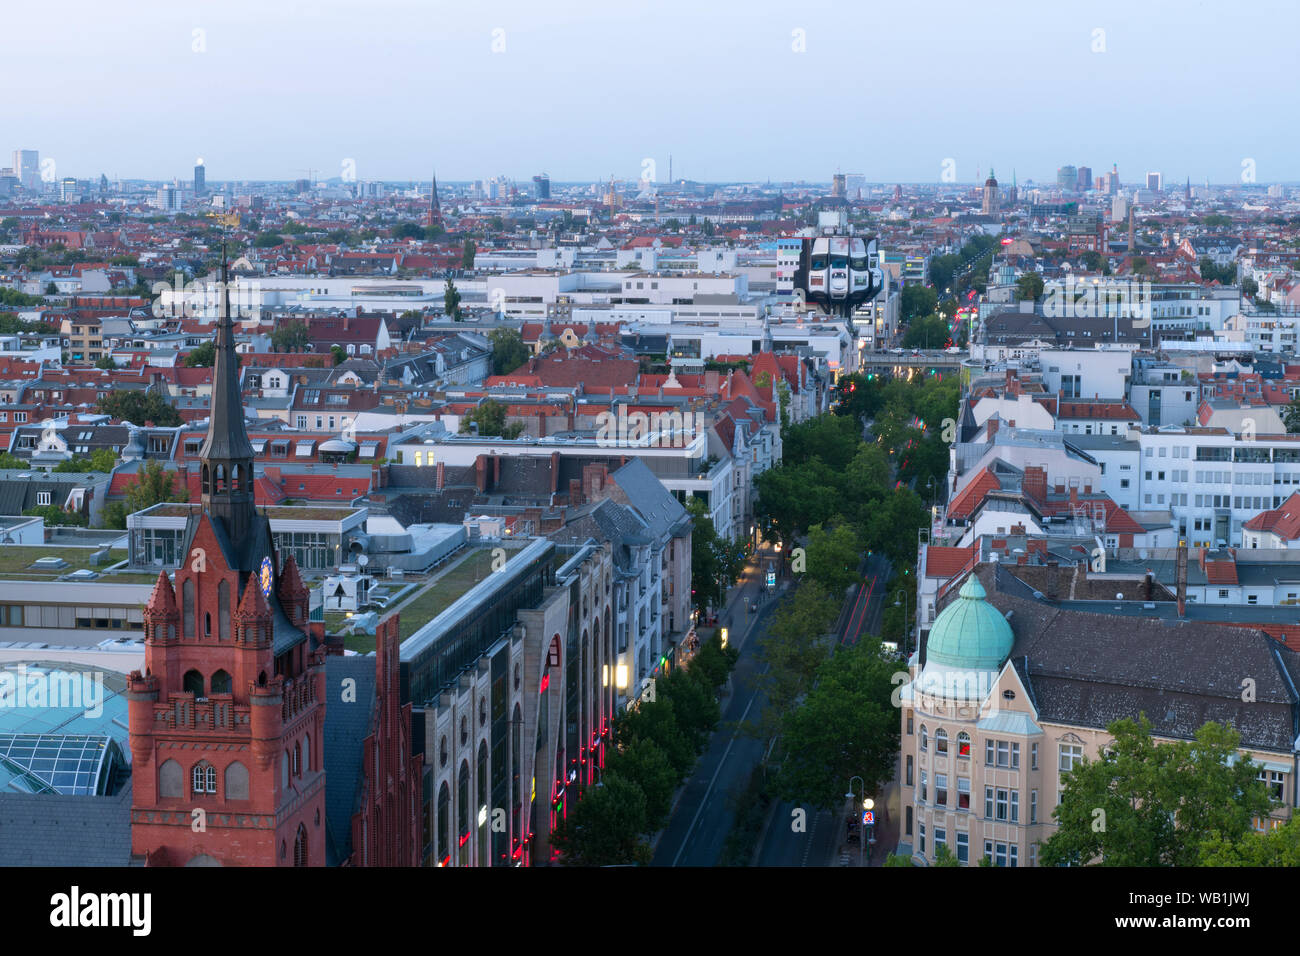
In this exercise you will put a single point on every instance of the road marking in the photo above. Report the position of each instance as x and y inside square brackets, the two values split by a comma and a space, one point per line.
[709, 790]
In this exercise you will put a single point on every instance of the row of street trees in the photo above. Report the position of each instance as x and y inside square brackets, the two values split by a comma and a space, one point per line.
[655, 746]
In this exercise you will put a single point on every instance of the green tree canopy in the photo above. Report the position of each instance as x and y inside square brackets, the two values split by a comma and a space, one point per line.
[291, 335]
[846, 725]
[926, 332]
[1274, 847]
[833, 557]
[508, 350]
[490, 417]
[643, 762]
[1030, 286]
[140, 407]
[451, 300]
[794, 646]
[1145, 803]
[916, 301]
[604, 826]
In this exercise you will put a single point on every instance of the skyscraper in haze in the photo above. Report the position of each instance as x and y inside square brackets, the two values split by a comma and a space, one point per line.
[200, 178]
[1067, 177]
[1085, 179]
[542, 186]
[1155, 182]
[27, 168]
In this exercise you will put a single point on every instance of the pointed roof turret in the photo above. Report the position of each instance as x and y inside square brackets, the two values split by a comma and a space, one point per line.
[290, 580]
[252, 606]
[162, 601]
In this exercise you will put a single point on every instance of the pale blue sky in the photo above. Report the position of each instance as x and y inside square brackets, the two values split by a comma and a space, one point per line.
[583, 90]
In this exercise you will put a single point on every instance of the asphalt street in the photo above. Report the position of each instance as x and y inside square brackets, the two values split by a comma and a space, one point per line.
[703, 815]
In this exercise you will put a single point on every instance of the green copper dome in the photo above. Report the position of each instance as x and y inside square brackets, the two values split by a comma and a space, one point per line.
[970, 633]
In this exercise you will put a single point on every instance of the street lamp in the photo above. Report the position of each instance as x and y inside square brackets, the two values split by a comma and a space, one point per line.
[867, 804]
[907, 634]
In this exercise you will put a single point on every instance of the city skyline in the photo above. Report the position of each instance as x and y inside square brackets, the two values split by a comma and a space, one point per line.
[729, 98]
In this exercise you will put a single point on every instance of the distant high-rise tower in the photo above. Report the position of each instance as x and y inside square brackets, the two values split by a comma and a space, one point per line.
[1085, 179]
[27, 168]
[1112, 179]
[200, 178]
[1187, 193]
[542, 186]
[990, 206]
[1067, 178]
[839, 186]
[435, 208]
[1155, 182]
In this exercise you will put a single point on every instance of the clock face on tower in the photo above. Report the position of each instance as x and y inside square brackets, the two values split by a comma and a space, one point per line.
[266, 575]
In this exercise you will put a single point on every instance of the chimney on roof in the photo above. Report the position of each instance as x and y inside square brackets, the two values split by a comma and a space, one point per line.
[1053, 570]
[1146, 586]
[575, 491]
[993, 424]
[480, 473]
[1182, 578]
[440, 476]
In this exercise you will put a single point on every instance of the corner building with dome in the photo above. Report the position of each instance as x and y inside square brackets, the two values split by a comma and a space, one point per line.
[1010, 690]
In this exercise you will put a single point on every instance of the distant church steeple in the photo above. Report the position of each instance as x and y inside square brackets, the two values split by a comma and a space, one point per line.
[435, 208]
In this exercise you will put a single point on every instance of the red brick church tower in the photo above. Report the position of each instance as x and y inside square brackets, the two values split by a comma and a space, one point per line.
[227, 721]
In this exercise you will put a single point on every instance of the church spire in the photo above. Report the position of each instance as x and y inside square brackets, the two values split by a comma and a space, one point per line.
[226, 470]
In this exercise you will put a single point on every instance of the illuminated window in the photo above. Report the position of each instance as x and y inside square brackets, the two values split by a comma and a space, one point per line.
[941, 742]
[963, 744]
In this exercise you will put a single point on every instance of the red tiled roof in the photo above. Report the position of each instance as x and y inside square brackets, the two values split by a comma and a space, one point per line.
[968, 499]
[1283, 521]
[944, 562]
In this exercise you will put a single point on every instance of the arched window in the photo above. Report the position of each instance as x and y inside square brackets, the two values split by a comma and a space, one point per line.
[221, 478]
[463, 812]
[297, 759]
[234, 477]
[207, 623]
[236, 781]
[306, 752]
[482, 773]
[442, 751]
[193, 683]
[221, 683]
[941, 742]
[963, 744]
[284, 771]
[925, 739]
[187, 607]
[482, 711]
[464, 731]
[444, 824]
[203, 778]
[223, 610]
[300, 847]
[171, 780]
